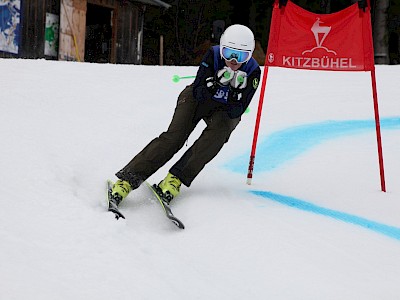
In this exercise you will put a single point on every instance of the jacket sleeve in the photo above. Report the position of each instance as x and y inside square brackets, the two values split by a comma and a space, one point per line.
[206, 70]
[236, 108]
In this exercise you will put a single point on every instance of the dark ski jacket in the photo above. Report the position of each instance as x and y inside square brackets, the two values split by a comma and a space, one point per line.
[222, 99]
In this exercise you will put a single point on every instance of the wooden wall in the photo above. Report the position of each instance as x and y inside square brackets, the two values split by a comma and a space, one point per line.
[32, 27]
[127, 34]
[129, 23]
[72, 30]
[106, 3]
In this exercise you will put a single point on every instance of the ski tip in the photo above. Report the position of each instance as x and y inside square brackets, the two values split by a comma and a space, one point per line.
[117, 213]
[177, 222]
[117, 216]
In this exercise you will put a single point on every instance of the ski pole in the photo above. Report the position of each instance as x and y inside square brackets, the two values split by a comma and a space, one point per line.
[177, 78]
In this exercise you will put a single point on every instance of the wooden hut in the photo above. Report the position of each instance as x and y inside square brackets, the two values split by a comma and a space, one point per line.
[109, 31]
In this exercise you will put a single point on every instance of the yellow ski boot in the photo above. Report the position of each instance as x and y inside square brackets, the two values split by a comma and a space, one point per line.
[170, 187]
[120, 190]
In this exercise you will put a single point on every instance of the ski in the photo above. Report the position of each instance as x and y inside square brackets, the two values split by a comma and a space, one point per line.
[165, 206]
[111, 205]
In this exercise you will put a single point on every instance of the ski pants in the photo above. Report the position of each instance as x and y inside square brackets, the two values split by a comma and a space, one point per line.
[160, 150]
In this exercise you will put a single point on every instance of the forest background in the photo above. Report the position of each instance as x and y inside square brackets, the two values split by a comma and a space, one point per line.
[189, 27]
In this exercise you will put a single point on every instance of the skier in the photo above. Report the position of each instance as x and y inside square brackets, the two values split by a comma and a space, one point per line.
[225, 83]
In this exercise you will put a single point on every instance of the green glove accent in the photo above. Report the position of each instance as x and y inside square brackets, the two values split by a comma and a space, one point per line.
[227, 75]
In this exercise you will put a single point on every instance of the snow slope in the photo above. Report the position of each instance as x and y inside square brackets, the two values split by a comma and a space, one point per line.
[313, 225]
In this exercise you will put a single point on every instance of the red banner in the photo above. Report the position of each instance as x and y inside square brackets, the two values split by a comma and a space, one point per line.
[340, 41]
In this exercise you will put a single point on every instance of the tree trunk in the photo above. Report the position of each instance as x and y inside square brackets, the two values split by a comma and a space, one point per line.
[381, 40]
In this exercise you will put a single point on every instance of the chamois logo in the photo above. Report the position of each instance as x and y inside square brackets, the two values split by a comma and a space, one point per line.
[320, 34]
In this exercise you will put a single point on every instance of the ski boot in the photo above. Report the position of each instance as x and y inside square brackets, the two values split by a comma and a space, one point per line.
[168, 188]
[119, 191]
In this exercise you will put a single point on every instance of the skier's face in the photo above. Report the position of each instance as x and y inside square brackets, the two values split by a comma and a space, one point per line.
[233, 64]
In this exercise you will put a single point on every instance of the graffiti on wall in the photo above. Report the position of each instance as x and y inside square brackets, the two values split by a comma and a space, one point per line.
[51, 36]
[10, 19]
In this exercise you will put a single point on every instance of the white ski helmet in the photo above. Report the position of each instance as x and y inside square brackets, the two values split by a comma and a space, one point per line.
[238, 37]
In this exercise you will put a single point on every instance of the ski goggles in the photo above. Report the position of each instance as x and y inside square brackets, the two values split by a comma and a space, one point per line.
[240, 56]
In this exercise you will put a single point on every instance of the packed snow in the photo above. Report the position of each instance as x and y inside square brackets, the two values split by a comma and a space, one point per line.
[314, 224]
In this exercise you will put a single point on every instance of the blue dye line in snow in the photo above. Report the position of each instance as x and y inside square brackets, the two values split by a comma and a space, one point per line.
[285, 145]
[380, 228]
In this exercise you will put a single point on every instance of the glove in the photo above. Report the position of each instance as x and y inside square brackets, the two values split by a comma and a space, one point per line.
[237, 84]
[210, 82]
[239, 80]
[221, 78]
[234, 95]
[224, 76]
[211, 85]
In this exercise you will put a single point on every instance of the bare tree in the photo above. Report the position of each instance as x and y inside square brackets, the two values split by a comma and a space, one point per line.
[381, 40]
